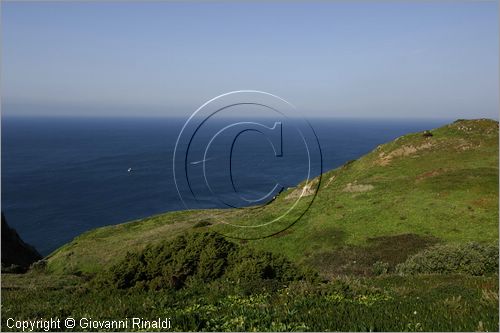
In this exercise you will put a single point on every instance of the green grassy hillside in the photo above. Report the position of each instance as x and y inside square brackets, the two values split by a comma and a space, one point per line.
[423, 188]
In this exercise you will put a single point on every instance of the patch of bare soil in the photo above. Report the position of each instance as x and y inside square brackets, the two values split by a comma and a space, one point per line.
[330, 180]
[303, 191]
[484, 202]
[384, 159]
[356, 188]
[359, 260]
[432, 173]
[465, 145]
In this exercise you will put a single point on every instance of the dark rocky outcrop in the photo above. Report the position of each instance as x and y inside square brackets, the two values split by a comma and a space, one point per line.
[17, 256]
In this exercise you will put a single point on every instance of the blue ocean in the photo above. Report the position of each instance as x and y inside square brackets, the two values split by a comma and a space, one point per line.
[64, 176]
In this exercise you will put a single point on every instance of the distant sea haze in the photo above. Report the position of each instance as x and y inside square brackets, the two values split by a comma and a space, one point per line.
[64, 176]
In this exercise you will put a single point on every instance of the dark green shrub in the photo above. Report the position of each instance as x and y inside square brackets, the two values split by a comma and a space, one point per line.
[470, 258]
[169, 265]
[247, 266]
[201, 224]
[427, 134]
[198, 258]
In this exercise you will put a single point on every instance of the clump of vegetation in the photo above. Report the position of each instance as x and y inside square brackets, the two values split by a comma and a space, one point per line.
[255, 269]
[198, 257]
[380, 268]
[470, 258]
[39, 266]
[427, 134]
[201, 224]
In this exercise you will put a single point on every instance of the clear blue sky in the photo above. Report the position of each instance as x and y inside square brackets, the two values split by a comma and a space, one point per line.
[392, 59]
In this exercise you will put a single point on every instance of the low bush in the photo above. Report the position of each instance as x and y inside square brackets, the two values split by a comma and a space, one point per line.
[199, 258]
[201, 224]
[380, 268]
[470, 258]
[39, 266]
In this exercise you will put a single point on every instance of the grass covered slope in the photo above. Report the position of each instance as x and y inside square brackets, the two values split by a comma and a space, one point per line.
[421, 189]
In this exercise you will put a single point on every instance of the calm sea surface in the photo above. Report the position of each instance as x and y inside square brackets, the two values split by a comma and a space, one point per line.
[64, 176]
